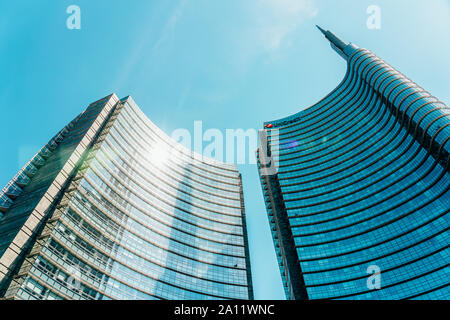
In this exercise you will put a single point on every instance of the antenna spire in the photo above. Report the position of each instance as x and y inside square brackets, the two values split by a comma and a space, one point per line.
[321, 30]
[337, 44]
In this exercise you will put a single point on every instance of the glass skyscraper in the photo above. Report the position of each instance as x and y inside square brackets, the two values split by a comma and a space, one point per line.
[112, 208]
[357, 188]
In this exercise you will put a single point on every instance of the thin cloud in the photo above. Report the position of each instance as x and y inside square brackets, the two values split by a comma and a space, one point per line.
[169, 28]
[267, 27]
[147, 47]
[276, 19]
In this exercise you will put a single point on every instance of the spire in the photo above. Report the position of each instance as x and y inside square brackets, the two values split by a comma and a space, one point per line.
[335, 42]
[321, 30]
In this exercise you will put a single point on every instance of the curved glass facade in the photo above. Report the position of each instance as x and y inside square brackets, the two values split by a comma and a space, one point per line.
[141, 218]
[362, 183]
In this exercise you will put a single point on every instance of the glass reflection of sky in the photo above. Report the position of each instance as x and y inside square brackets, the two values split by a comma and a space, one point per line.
[290, 144]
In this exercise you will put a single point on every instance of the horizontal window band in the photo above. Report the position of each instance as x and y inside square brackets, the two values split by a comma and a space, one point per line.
[377, 244]
[378, 257]
[384, 270]
[149, 215]
[428, 291]
[147, 240]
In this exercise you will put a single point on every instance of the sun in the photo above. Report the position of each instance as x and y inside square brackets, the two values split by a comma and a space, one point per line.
[158, 154]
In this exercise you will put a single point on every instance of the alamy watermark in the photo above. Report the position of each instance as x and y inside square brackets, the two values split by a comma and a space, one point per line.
[74, 19]
[374, 280]
[238, 146]
[374, 20]
[72, 281]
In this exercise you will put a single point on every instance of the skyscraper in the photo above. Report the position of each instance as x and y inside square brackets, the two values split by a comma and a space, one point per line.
[357, 188]
[112, 208]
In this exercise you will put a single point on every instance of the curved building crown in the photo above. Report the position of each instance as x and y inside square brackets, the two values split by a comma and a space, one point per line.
[359, 198]
[112, 208]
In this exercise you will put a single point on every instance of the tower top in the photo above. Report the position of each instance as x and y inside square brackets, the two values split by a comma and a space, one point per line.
[321, 30]
[335, 41]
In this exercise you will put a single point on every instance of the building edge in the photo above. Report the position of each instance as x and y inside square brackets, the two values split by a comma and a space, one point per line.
[251, 295]
[26, 238]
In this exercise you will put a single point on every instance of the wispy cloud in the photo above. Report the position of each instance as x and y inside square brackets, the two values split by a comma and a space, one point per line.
[276, 19]
[171, 24]
[268, 27]
[148, 45]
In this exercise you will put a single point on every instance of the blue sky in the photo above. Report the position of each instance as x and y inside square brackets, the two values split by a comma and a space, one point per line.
[232, 64]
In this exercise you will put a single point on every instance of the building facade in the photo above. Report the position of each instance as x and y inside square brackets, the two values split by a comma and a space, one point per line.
[113, 208]
[357, 188]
